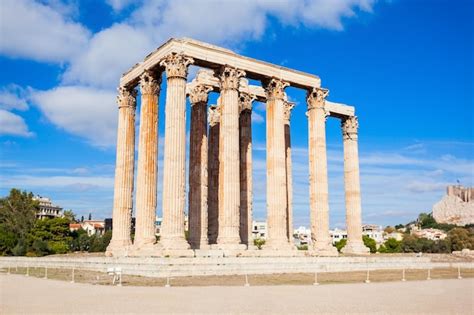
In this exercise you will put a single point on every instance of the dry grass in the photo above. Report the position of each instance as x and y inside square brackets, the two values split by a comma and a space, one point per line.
[101, 278]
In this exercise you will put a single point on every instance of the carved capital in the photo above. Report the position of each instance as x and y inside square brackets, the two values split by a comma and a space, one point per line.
[126, 97]
[245, 102]
[149, 82]
[214, 115]
[199, 94]
[176, 65]
[350, 125]
[229, 77]
[316, 98]
[275, 88]
[287, 111]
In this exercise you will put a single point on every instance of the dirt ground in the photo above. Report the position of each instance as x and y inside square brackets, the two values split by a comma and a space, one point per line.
[30, 295]
[93, 277]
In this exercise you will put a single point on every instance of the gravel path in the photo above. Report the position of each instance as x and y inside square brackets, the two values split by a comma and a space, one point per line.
[20, 294]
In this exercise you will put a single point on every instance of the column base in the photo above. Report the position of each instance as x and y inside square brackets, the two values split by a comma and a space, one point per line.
[118, 248]
[148, 250]
[278, 245]
[355, 248]
[203, 244]
[232, 247]
[174, 243]
[323, 248]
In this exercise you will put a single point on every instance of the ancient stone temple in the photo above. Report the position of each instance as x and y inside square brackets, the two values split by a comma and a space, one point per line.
[220, 161]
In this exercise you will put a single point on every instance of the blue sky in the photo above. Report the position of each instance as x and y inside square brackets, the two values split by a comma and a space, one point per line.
[407, 66]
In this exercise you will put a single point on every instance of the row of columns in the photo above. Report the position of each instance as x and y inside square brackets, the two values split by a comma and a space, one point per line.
[220, 169]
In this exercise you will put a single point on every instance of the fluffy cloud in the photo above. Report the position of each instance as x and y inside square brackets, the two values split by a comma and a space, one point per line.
[118, 5]
[83, 111]
[12, 97]
[35, 31]
[12, 124]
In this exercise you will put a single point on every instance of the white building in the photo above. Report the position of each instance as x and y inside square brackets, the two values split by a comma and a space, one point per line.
[92, 227]
[431, 234]
[259, 229]
[337, 235]
[302, 236]
[47, 209]
[373, 231]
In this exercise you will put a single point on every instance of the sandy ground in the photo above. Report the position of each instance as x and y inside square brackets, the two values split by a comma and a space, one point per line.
[29, 295]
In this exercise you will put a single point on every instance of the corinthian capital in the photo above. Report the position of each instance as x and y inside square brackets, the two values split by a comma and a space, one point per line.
[245, 102]
[350, 125]
[214, 116]
[176, 65]
[229, 77]
[199, 94]
[126, 97]
[287, 111]
[149, 82]
[316, 97]
[275, 88]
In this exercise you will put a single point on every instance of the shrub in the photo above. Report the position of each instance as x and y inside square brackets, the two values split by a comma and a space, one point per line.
[259, 242]
[340, 244]
[58, 247]
[370, 243]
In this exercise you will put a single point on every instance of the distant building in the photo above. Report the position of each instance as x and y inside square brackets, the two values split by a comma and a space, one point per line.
[373, 231]
[92, 227]
[259, 229]
[302, 236]
[47, 209]
[337, 235]
[395, 234]
[431, 234]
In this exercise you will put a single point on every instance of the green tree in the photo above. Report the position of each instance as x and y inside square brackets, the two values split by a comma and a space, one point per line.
[460, 239]
[54, 232]
[100, 243]
[340, 244]
[71, 216]
[17, 217]
[391, 246]
[426, 221]
[370, 243]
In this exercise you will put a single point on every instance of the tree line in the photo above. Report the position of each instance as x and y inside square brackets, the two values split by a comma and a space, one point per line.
[21, 234]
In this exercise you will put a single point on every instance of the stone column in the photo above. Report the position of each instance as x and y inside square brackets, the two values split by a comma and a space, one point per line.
[354, 245]
[124, 167]
[213, 176]
[198, 167]
[147, 162]
[174, 177]
[318, 177]
[277, 216]
[289, 173]
[246, 168]
[229, 166]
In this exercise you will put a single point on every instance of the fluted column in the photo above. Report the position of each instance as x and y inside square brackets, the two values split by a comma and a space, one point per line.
[354, 245]
[147, 161]
[174, 177]
[198, 180]
[213, 176]
[318, 173]
[289, 172]
[229, 166]
[246, 168]
[124, 167]
[277, 216]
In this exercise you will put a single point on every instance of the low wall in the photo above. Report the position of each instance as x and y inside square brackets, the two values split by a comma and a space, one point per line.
[164, 267]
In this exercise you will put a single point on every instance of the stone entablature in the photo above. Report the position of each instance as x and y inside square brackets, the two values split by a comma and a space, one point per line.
[220, 164]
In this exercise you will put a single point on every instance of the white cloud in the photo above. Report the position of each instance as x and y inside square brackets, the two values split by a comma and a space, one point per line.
[83, 111]
[12, 124]
[12, 97]
[119, 5]
[109, 54]
[35, 31]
